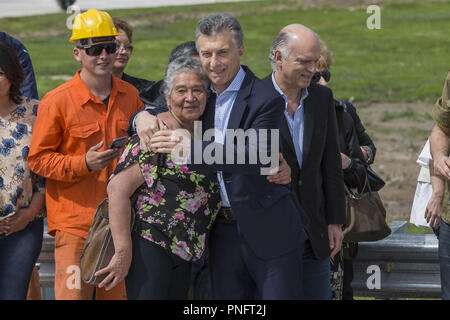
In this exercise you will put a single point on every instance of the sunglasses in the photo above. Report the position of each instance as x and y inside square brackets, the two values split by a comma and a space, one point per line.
[325, 74]
[97, 49]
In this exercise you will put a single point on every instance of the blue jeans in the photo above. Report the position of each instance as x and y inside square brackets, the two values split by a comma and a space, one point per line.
[18, 254]
[155, 273]
[444, 259]
[316, 276]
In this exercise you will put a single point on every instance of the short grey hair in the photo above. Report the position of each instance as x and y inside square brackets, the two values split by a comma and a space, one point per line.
[180, 65]
[280, 43]
[218, 22]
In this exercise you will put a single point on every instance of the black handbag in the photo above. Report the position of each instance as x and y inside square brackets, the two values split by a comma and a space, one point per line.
[375, 181]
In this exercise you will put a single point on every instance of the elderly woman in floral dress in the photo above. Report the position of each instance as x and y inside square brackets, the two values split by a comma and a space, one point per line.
[175, 207]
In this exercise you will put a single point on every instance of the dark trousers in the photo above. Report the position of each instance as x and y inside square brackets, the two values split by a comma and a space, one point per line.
[237, 273]
[155, 273]
[444, 258]
[347, 289]
[316, 275]
[200, 278]
[18, 254]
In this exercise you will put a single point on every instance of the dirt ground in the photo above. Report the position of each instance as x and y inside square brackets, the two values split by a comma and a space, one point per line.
[399, 131]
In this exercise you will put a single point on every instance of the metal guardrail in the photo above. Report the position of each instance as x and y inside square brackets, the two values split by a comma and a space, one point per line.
[46, 266]
[408, 266]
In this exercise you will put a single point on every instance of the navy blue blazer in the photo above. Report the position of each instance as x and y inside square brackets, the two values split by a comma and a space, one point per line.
[268, 215]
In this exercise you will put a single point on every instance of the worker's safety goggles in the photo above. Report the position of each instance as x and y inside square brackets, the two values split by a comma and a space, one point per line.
[97, 49]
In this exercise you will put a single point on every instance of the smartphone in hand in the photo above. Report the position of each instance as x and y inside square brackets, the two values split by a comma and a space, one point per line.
[118, 142]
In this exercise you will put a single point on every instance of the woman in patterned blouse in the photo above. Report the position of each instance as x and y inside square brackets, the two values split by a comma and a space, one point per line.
[175, 207]
[21, 191]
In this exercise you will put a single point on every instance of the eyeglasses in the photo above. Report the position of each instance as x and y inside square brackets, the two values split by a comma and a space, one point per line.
[97, 49]
[325, 74]
[126, 47]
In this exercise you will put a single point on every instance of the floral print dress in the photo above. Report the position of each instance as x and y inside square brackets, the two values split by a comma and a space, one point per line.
[17, 182]
[175, 207]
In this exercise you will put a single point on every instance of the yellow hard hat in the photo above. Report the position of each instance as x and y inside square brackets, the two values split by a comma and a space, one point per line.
[92, 24]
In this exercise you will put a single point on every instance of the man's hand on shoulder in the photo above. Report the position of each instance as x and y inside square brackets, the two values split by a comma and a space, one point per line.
[176, 142]
[146, 126]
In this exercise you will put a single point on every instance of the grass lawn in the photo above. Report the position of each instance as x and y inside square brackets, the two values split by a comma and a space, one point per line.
[405, 60]
[413, 229]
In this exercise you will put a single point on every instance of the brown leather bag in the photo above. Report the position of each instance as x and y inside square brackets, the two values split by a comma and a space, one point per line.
[365, 216]
[99, 247]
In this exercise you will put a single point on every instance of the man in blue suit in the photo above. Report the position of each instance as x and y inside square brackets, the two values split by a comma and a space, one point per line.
[257, 239]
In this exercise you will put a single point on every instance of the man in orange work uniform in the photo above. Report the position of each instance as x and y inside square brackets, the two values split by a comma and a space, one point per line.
[75, 126]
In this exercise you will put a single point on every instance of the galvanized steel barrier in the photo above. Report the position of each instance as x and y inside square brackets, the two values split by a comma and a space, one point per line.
[400, 266]
[407, 266]
[46, 266]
